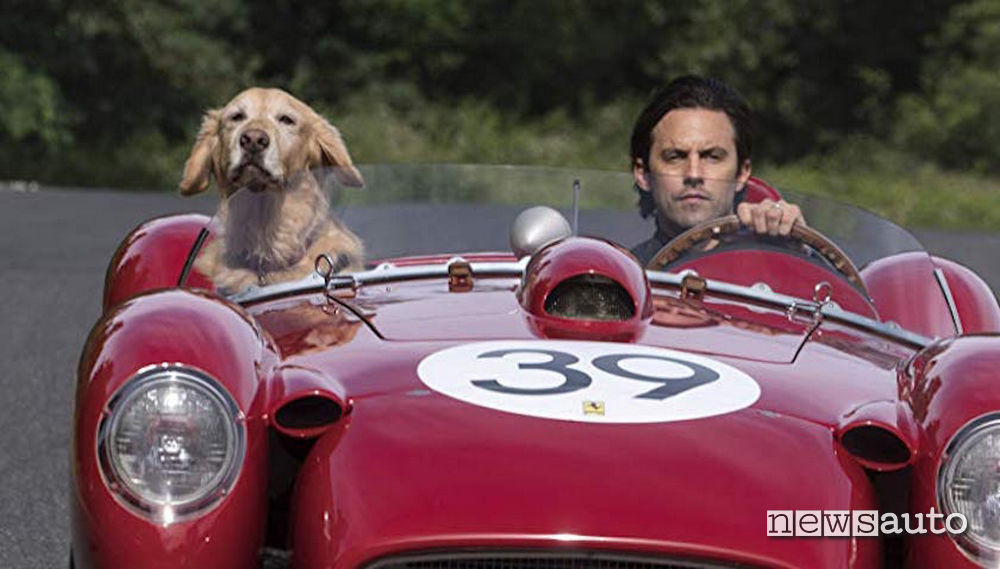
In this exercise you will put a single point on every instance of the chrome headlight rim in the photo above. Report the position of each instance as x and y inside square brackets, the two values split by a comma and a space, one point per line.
[170, 512]
[965, 437]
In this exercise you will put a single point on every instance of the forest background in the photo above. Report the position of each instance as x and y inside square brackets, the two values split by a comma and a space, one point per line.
[892, 105]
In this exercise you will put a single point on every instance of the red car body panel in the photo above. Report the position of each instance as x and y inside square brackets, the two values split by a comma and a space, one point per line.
[573, 258]
[488, 479]
[152, 257]
[407, 469]
[904, 291]
[974, 301]
[799, 278]
[951, 383]
[201, 331]
[492, 312]
[450, 479]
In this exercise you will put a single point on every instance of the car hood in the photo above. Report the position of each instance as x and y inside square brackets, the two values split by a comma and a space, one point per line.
[428, 311]
[820, 377]
[415, 470]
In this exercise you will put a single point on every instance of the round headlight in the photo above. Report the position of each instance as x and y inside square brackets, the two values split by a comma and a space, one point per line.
[172, 442]
[969, 484]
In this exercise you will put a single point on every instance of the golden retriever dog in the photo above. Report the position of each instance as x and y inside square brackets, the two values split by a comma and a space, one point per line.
[269, 154]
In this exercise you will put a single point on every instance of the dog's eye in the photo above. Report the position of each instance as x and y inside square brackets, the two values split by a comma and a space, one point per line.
[285, 119]
[237, 116]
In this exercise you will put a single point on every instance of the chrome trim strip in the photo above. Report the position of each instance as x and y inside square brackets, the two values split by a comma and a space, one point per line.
[948, 298]
[519, 558]
[892, 330]
[387, 273]
[255, 293]
[384, 273]
[803, 306]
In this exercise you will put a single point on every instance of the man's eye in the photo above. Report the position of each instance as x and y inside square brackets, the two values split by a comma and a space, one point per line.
[237, 116]
[285, 119]
[674, 157]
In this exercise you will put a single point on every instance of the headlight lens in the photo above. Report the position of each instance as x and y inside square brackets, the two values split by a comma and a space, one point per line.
[172, 443]
[969, 484]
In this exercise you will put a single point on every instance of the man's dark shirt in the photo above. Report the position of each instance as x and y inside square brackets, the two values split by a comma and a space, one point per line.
[648, 248]
[644, 251]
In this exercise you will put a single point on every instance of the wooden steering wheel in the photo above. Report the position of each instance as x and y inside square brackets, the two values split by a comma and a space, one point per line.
[730, 224]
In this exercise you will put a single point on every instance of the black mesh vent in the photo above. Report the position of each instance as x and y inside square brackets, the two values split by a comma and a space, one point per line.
[590, 297]
[540, 560]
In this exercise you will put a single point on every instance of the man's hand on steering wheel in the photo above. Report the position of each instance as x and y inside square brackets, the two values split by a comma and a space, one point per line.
[770, 217]
[716, 229]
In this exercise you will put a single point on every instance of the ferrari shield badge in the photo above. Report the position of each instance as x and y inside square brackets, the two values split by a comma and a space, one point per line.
[588, 381]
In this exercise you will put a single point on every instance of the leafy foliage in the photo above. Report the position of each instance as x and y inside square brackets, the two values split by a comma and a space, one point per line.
[955, 119]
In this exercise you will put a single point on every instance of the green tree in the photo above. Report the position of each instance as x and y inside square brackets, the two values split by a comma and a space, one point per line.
[955, 119]
[118, 79]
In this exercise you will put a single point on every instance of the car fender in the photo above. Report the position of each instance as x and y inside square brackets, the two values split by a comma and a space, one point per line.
[152, 256]
[947, 385]
[905, 291]
[976, 308]
[197, 330]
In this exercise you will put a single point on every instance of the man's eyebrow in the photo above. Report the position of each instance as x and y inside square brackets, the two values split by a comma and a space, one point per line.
[713, 150]
[674, 150]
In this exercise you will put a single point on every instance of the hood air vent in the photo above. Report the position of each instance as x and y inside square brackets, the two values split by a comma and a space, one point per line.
[590, 297]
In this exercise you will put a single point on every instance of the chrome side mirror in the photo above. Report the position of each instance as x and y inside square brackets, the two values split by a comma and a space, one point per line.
[535, 228]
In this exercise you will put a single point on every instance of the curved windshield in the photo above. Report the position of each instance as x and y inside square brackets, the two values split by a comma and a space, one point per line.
[274, 234]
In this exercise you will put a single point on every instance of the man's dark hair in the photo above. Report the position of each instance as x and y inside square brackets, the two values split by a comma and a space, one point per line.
[691, 92]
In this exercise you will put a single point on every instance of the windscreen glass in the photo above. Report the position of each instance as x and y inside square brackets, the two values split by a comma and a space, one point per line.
[265, 234]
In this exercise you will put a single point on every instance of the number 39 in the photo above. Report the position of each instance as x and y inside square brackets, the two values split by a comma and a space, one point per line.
[575, 380]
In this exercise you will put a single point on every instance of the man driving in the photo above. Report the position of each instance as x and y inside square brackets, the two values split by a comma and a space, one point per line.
[690, 152]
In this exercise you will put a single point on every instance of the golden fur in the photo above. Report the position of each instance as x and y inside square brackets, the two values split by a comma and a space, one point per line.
[262, 149]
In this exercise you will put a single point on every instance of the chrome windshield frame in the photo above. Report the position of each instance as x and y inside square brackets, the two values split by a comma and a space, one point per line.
[388, 273]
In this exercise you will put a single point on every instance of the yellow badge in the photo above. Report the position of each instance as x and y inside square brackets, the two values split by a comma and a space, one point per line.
[593, 408]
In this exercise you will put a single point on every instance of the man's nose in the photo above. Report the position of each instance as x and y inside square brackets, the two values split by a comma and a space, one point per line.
[693, 173]
[254, 140]
[693, 168]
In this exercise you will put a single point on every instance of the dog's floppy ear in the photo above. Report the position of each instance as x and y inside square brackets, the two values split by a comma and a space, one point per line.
[198, 168]
[331, 151]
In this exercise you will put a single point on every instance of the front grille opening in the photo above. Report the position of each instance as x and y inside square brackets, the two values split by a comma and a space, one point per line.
[590, 297]
[542, 560]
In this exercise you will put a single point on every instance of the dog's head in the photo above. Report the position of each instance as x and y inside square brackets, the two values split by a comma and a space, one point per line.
[261, 140]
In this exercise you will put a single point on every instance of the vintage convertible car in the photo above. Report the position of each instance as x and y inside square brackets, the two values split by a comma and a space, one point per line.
[504, 388]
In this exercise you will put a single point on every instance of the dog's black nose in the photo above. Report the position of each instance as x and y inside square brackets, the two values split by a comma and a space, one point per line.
[254, 140]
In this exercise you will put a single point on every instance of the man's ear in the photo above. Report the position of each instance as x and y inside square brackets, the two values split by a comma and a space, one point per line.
[198, 168]
[639, 175]
[743, 175]
[329, 150]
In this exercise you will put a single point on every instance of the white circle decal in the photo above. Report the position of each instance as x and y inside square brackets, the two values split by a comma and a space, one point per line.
[594, 382]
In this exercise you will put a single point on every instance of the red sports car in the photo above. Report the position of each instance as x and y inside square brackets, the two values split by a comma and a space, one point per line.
[509, 388]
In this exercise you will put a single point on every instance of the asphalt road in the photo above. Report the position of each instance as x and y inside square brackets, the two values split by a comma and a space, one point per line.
[54, 248]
